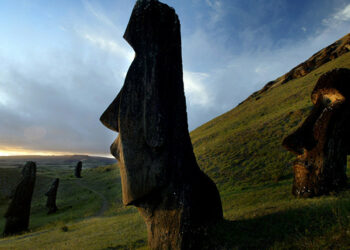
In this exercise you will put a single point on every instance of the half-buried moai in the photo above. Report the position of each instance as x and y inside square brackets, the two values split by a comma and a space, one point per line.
[322, 142]
[18, 213]
[51, 196]
[159, 172]
[77, 170]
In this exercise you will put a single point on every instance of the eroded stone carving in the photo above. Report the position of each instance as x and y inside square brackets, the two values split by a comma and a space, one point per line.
[51, 196]
[159, 172]
[18, 213]
[322, 142]
[77, 170]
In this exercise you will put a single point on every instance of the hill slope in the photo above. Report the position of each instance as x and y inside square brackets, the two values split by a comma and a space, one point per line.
[244, 144]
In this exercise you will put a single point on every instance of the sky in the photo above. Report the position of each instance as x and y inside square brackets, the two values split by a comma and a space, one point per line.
[62, 62]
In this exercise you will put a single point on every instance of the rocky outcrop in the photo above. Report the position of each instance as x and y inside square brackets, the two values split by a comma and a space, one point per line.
[325, 55]
[322, 142]
[77, 170]
[51, 196]
[159, 172]
[17, 215]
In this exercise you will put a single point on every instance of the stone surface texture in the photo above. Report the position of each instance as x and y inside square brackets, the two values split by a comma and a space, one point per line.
[322, 142]
[18, 212]
[159, 172]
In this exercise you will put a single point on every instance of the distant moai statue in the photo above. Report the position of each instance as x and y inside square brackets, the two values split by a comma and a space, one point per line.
[158, 169]
[322, 142]
[18, 213]
[78, 169]
[51, 196]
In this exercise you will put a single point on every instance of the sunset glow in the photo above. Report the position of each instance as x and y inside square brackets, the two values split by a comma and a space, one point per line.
[19, 151]
[14, 151]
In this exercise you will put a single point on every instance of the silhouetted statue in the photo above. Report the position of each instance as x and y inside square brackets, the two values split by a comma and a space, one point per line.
[17, 215]
[78, 168]
[51, 196]
[322, 142]
[159, 172]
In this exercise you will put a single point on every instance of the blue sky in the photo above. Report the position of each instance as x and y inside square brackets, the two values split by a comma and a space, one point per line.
[62, 62]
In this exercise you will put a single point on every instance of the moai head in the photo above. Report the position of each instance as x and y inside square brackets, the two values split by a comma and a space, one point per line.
[151, 104]
[322, 142]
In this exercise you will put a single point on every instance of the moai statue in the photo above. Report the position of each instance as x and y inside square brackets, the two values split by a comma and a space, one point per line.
[159, 172]
[18, 213]
[322, 142]
[77, 171]
[51, 196]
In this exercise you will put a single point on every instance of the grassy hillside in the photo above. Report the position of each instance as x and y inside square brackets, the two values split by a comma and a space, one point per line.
[243, 146]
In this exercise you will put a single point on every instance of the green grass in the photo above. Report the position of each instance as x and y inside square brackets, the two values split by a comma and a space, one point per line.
[241, 151]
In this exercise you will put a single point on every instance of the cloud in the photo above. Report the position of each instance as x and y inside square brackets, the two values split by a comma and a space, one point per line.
[99, 15]
[217, 11]
[195, 89]
[343, 15]
[338, 18]
[110, 46]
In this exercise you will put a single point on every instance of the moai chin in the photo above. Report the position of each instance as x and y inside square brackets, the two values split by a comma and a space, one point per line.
[51, 196]
[18, 213]
[322, 142]
[158, 169]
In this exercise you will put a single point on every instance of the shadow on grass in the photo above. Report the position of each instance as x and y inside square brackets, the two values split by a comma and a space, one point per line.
[286, 226]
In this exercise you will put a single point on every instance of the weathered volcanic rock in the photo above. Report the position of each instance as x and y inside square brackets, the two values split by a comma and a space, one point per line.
[51, 196]
[77, 170]
[17, 215]
[331, 52]
[322, 142]
[159, 172]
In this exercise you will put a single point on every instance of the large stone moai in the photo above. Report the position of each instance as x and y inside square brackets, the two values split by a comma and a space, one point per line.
[77, 170]
[159, 172]
[18, 213]
[322, 142]
[51, 196]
